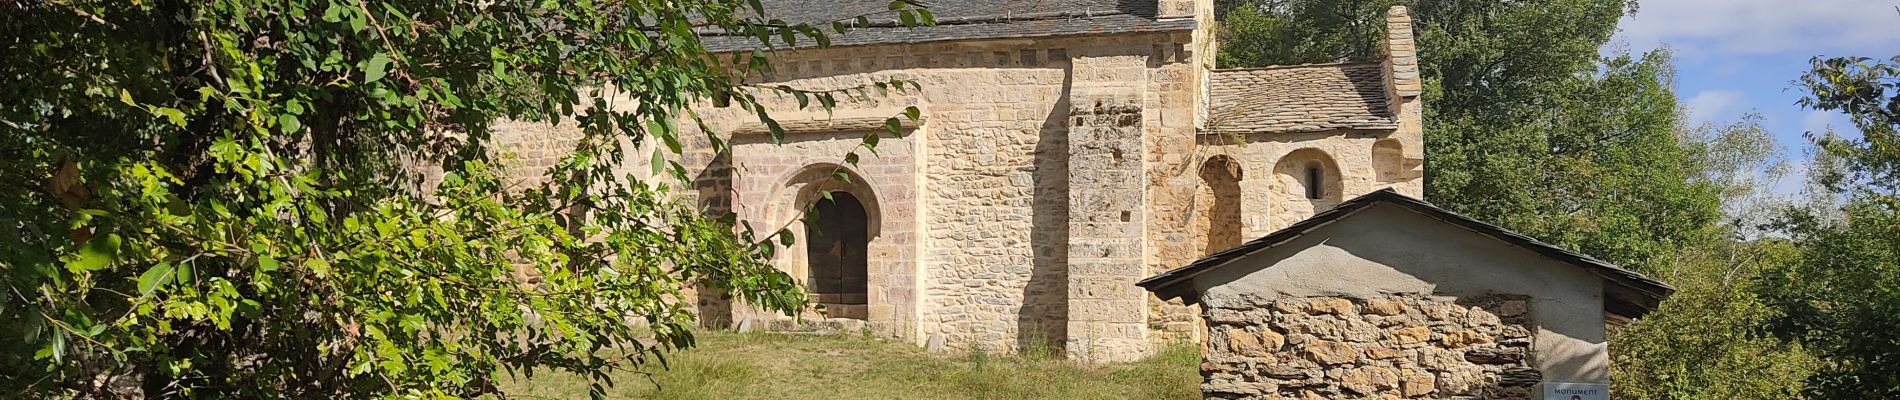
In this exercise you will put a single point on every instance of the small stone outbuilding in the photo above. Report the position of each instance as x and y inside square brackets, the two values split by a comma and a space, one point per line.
[1389, 296]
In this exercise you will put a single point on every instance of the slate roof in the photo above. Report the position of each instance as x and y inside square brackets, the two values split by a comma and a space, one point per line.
[1300, 98]
[966, 19]
[1628, 294]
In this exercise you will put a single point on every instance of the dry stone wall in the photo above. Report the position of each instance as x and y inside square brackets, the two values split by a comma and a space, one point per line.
[1413, 347]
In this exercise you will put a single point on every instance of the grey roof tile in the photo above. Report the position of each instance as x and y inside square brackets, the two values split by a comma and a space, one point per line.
[967, 19]
[1300, 98]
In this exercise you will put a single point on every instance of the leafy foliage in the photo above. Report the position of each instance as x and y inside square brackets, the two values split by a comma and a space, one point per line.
[1704, 342]
[1842, 297]
[1268, 32]
[260, 199]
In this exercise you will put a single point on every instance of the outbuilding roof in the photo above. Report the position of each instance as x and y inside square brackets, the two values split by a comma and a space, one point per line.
[965, 19]
[1300, 98]
[1628, 294]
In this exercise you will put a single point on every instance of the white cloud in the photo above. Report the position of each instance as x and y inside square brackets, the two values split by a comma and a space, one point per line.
[1817, 121]
[1830, 27]
[1712, 105]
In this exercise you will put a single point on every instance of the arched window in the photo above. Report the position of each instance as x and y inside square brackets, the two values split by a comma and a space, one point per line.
[1314, 189]
[1306, 182]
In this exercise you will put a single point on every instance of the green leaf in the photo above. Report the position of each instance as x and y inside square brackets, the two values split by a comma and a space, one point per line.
[667, 131]
[174, 115]
[357, 21]
[318, 266]
[288, 123]
[659, 162]
[126, 97]
[58, 345]
[96, 254]
[375, 69]
[157, 275]
[266, 264]
[913, 113]
[334, 13]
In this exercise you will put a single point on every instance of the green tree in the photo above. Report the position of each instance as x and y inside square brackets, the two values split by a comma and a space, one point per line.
[1704, 341]
[1526, 125]
[263, 199]
[1842, 297]
[1272, 32]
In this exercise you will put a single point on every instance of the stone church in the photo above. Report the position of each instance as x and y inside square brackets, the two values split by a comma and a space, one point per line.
[1066, 149]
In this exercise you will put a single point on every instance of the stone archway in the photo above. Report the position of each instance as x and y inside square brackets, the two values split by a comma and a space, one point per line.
[1218, 202]
[839, 253]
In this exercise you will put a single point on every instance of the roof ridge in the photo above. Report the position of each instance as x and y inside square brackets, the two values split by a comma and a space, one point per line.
[1005, 17]
[1639, 294]
[1297, 66]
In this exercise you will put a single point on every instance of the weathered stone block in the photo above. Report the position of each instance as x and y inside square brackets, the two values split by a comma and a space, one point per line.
[1416, 385]
[1334, 306]
[1383, 353]
[1383, 307]
[1462, 338]
[1245, 343]
[1416, 334]
[1369, 380]
[1495, 355]
[1329, 352]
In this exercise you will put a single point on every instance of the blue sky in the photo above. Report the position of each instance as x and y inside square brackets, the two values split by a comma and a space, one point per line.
[1739, 56]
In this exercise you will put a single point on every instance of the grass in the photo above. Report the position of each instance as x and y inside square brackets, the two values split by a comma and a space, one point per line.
[775, 366]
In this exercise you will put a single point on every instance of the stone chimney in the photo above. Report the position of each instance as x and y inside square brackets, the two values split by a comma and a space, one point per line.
[1173, 9]
[1401, 55]
[1403, 86]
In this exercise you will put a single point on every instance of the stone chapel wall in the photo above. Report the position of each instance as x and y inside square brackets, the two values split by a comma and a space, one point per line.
[977, 200]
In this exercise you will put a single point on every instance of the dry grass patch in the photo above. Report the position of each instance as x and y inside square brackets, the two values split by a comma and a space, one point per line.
[776, 366]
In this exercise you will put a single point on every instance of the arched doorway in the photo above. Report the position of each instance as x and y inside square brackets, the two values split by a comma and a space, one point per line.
[836, 255]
